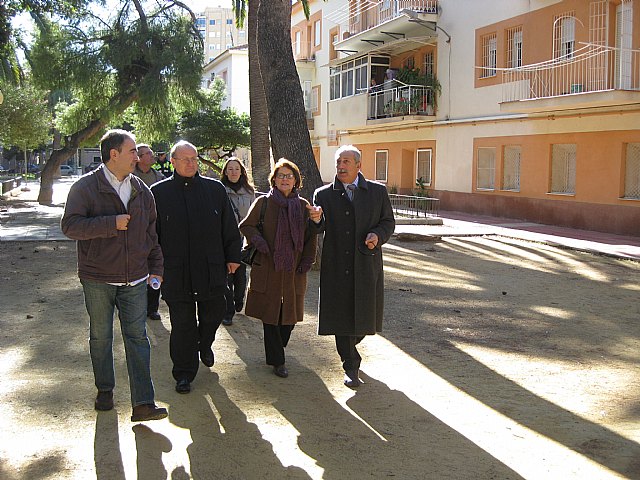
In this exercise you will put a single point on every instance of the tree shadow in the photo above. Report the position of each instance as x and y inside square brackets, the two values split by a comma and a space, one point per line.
[442, 316]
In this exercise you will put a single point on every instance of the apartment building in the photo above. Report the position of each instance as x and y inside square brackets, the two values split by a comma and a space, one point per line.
[218, 30]
[527, 109]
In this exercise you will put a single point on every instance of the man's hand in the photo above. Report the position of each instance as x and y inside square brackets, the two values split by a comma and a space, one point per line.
[371, 241]
[315, 213]
[122, 221]
[151, 277]
[232, 267]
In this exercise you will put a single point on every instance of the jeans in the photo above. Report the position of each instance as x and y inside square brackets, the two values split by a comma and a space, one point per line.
[101, 299]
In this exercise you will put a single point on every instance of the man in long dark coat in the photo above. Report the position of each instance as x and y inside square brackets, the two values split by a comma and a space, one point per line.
[200, 241]
[357, 219]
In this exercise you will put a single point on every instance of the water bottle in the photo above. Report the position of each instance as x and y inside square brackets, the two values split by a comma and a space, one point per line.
[155, 283]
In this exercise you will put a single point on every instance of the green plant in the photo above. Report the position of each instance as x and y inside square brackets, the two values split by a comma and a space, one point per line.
[393, 189]
[413, 76]
[422, 190]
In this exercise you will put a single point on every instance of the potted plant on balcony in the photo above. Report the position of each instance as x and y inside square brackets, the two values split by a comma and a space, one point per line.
[413, 76]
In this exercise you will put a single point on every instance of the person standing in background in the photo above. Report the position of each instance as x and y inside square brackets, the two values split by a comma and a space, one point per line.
[149, 176]
[241, 194]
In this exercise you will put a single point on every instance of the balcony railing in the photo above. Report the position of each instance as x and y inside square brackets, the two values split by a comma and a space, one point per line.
[593, 68]
[400, 100]
[371, 13]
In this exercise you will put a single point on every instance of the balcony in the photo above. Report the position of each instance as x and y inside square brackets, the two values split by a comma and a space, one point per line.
[387, 26]
[400, 101]
[594, 76]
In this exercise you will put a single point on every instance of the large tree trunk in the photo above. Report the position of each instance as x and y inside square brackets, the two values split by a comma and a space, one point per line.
[74, 141]
[260, 148]
[285, 103]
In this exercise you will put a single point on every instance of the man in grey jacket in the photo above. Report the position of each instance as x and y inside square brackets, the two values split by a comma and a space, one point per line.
[112, 215]
[356, 217]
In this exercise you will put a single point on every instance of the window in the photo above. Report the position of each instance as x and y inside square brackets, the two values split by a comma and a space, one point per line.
[334, 83]
[409, 62]
[201, 22]
[212, 22]
[306, 94]
[511, 168]
[382, 157]
[563, 168]
[315, 99]
[362, 77]
[298, 43]
[489, 58]
[564, 36]
[423, 165]
[485, 170]
[317, 33]
[632, 171]
[514, 47]
[229, 21]
[346, 79]
[428, 63]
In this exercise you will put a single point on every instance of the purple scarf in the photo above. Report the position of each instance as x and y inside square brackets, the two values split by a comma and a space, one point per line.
[289, 230]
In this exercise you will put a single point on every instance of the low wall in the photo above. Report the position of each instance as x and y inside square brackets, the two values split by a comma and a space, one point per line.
[9, 184]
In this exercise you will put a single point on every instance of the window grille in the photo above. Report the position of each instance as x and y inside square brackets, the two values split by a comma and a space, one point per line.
[511, 168]
[485, 169]
[514, 47]
[489, 57]
[563, 168]
[564, 32]
[428, 63]
[382, 161]
[423, 165]
[632, 171]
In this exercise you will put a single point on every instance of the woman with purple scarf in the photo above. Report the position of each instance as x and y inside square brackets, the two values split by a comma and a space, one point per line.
[286, 250]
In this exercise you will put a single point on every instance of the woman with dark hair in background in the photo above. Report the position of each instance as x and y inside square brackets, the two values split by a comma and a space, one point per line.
[241, 193]
[286, 250]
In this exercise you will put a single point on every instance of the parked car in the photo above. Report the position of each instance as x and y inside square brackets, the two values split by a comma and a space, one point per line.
[66, 170]
[91, 166]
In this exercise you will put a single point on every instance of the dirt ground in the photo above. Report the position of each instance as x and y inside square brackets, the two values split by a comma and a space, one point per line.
[500, 359]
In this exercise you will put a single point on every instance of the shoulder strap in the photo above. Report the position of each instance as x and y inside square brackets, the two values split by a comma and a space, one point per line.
[262, 210]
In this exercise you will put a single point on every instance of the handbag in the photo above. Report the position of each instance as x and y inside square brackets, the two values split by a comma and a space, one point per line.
[249, 251]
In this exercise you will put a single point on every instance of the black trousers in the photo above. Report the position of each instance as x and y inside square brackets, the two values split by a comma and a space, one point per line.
[276, 338]
[153, 300]
[236, 287]
[346, 345]
[191, 334]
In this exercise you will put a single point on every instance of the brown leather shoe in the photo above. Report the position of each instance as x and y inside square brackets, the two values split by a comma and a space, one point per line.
[104, 401]
[143, 413]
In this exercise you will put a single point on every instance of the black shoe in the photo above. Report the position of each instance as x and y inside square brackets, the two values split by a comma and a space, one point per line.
[183, 386]
[104, 401]
[281, 371]
[207, 357]
[226, 321]
[352, 378]
[154, 316]
[239, 305]
[143, 413]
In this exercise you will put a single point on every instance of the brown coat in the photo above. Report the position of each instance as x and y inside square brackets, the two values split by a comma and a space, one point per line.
[269, 289]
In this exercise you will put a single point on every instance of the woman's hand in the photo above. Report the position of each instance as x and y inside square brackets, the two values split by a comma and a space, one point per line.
[260, 244]
[305, 265]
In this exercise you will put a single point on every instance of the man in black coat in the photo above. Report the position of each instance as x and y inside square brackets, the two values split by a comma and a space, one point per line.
[200, 241]
[357, 219]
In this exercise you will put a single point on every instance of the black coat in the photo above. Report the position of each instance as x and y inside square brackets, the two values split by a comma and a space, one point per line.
[198, 233]
[351, 275]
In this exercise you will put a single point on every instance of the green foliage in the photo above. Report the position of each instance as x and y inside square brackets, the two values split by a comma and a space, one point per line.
[422, 190]
[149, 61]
[413, 76]
[214, 128]
[25, 120]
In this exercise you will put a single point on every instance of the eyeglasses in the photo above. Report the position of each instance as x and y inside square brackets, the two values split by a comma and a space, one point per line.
[188, 159]
[288, 176]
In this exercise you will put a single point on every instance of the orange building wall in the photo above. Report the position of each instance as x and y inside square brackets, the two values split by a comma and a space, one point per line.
[599, 165]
